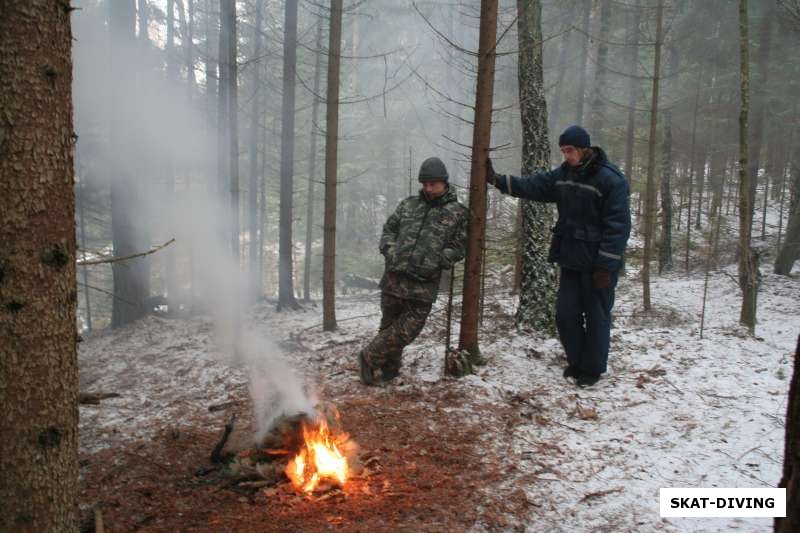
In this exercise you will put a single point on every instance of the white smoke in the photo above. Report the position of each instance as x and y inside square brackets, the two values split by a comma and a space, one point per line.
[134, 124]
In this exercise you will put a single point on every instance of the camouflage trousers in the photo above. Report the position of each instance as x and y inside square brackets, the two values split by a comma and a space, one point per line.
[401, 322]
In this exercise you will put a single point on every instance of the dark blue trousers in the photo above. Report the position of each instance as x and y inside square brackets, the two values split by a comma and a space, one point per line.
[583, 319]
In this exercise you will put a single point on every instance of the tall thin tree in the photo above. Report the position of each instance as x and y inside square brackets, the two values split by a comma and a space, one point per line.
[665, 243]
[597, 113]
[312, 165]
[650, 202]
[632, 40]
[760, 102]
[748, 267]
[584, 64]
[253, 192]
[233, 127]
[38, 356]
[481, 142]
[286, 297]
[129, 235]
[331, 161]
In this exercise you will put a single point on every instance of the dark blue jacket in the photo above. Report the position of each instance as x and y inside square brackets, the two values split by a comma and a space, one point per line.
[594, 216]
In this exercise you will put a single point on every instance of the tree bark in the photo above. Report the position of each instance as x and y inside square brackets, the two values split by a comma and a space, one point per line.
[481, 142]
[791, 454]
[748, 267]
[331, 160]
[650, 191]
[312, 166]
[539, 278]
[285, 271]
[38, 356]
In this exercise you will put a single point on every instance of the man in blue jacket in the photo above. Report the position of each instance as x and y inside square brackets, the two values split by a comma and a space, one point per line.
[589, 238]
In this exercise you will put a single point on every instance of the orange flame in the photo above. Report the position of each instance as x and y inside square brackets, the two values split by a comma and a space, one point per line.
[320, 458]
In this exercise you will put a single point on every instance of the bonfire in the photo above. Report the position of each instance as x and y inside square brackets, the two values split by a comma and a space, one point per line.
[313, 452]
[320, 460]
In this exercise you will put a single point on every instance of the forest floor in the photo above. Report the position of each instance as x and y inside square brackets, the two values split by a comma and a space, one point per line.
[513, 447]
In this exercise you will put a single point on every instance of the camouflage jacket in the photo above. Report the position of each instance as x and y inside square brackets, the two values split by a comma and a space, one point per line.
[420, 239]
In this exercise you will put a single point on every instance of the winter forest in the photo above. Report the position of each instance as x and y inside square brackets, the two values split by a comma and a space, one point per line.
[202, 212]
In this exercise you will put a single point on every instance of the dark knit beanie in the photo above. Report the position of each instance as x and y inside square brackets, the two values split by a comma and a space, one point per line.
[433, 169]
[575, 136]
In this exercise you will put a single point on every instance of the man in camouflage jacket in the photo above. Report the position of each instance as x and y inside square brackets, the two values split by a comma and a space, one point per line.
[425, 235]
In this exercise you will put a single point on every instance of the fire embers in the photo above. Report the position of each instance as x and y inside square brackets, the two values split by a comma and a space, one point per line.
[321, 460]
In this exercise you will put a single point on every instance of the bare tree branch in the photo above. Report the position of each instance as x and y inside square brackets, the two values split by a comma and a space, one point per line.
[124, 258]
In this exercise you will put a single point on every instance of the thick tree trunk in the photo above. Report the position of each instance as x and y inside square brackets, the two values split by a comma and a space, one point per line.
[598, 117]
[38, 356]
[331, 160]
[312, 167]
[285, 271]
[131, 278]
[791, 454]
[539, 279]
[481, 141]
[650, 191]
[748, 262]
[252, 192]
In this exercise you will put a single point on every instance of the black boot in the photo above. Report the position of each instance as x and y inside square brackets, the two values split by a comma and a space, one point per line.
[571, 372]
[366, 372]
[389, 372]
[587, 380]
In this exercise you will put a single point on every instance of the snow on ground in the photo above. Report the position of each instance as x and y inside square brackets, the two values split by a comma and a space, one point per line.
[673, 411]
